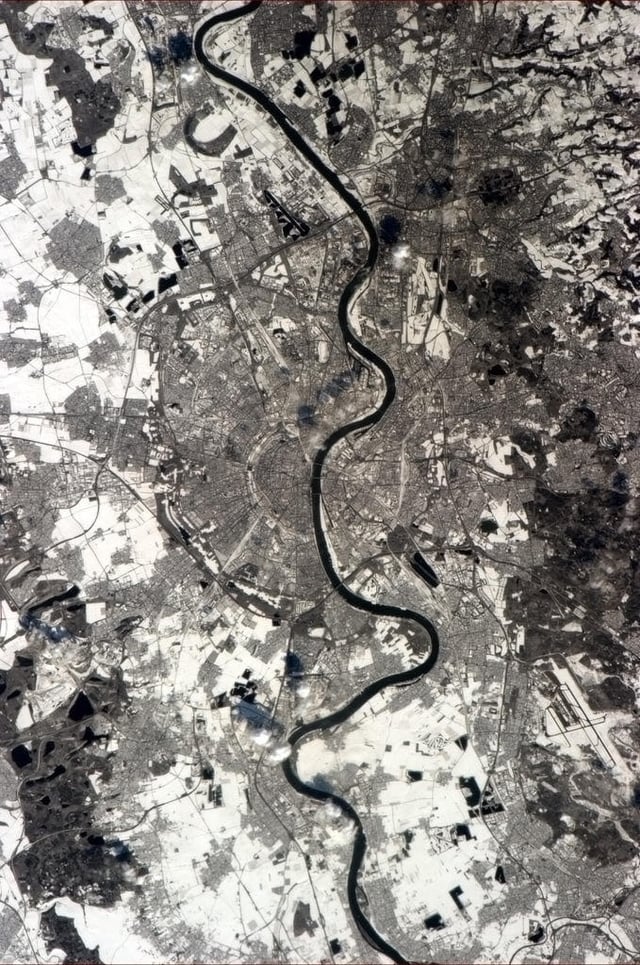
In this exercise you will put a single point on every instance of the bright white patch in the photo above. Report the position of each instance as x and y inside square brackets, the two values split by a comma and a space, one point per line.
[111, 929]
[280, 753]
[24, 718]
[104, 527]
[261, 737]
[188, 75]
[400, 255]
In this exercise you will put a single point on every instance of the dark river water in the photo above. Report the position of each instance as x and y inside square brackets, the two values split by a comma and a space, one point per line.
[365, 354]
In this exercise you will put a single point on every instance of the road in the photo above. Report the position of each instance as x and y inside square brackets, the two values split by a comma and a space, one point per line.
[364, 353]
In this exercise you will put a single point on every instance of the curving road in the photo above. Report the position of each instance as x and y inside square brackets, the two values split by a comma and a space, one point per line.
[366, 354]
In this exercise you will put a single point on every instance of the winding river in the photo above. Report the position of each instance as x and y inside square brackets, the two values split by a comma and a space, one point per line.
[361, 351]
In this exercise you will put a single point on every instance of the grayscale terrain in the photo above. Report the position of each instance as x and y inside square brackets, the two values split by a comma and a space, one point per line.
[319, 482]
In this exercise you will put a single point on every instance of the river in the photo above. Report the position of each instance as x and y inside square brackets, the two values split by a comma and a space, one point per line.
[363, 352]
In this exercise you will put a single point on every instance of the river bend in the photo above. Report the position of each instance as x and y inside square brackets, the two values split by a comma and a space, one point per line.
[363, 352]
